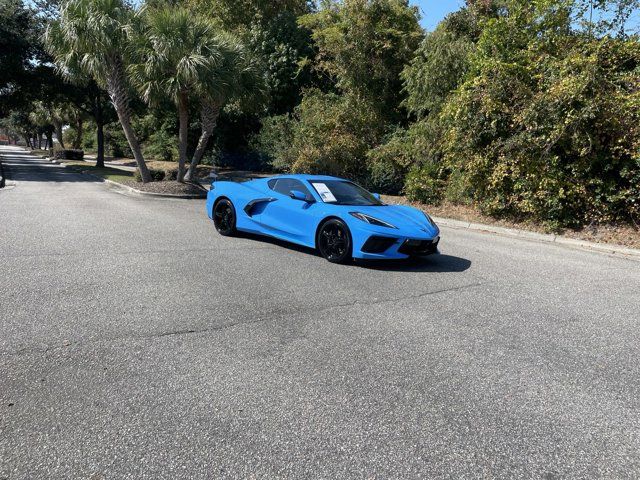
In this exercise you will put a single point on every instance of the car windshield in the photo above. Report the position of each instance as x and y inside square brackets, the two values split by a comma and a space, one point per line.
[340, 192]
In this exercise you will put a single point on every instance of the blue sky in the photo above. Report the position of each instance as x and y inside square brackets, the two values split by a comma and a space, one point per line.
[432, 11]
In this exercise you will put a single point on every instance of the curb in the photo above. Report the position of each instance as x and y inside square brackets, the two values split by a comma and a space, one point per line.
[611, 249]
[148, 194]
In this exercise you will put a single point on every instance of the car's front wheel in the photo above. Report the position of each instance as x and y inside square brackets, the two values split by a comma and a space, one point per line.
[224, 217]
[334, 241]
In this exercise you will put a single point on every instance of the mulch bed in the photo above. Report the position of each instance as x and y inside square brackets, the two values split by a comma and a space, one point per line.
[170, 187]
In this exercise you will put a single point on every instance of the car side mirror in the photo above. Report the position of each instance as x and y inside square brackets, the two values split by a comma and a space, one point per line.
[377, 195]
[298, 195]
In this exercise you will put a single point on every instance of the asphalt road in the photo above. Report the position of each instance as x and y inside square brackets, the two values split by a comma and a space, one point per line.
[138, 343]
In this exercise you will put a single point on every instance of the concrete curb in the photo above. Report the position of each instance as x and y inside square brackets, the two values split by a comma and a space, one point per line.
[608, 248]
[135, 190]
[148, 194]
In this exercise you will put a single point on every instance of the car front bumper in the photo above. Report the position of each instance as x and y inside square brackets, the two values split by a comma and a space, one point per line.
[399, 247]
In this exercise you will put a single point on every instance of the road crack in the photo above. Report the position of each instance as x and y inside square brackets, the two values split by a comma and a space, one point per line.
[271, 316]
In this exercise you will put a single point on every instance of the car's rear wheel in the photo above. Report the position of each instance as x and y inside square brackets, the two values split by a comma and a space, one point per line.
[224, 217]
[334, 241]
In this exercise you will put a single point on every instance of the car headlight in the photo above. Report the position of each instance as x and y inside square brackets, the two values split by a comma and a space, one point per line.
[371, 220]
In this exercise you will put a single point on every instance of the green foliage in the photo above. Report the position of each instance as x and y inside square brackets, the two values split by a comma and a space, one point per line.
[548, 133]
[281, 44]
[68, 154]
[327, 134]
[116, 144]
[238, 15]
[441, 63]
[422, 184]
[157, 175]
[92, 37]
[364, 45]
[274, 142]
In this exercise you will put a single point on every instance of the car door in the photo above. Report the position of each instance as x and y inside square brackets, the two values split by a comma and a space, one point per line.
[287, 217]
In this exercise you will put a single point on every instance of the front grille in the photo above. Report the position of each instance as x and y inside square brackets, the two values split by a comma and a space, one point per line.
[377, 244]
[418, 247]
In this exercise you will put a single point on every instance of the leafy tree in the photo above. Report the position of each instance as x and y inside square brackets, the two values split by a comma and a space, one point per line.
[364, 45]
[18, 124]
[239, 15]
[441, 62]
[281, 44]
[328, 133]
[93, 36]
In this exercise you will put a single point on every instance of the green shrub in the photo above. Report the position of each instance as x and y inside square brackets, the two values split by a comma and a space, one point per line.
[385, 177]
[161, 146]
[273, 143]
[550, 137]
[328, 134]
[171, 174]
[116, 144]
[157, 175]
[68, 154]
[423, 185]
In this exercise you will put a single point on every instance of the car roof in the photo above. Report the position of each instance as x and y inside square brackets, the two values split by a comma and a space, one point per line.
[310, 178]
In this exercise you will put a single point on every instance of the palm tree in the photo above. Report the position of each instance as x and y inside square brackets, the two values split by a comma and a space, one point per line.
[235, 78]
[182, 56]
[176, 50]
[92, 36]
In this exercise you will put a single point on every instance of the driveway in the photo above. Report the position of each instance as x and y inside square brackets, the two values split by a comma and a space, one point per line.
[138, 343]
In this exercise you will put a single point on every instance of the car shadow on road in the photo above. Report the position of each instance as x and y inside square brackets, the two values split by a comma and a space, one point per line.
[437, 263]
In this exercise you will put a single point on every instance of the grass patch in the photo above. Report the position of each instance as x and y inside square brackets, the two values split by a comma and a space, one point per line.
[114, 174]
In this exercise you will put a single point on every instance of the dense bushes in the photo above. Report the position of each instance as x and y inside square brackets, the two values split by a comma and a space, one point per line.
[157, 175]
[327, 133]
[546, 133]
[68, 154]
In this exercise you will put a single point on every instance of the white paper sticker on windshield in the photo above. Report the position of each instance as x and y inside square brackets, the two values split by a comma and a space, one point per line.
[324, 192]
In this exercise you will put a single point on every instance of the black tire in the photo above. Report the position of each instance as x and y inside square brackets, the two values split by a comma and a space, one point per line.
[334, 241]
[224, 217]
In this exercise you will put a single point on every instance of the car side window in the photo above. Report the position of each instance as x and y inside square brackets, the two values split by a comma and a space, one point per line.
[285, 185]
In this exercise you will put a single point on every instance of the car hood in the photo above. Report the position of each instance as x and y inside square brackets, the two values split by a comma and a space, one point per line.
[401, 216]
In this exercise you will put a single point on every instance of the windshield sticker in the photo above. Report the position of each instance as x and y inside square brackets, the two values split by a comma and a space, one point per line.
[324, 193]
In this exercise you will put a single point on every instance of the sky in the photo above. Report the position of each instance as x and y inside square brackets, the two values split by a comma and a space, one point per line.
[432, 11]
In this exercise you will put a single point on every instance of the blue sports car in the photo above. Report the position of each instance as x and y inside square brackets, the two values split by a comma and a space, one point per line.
[337, 217]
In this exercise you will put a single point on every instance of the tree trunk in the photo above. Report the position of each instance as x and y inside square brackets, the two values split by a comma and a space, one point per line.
[49, 142]
[27, 140]
[58, 126]
[209, 116]
[77, 142]
[100, 142]
[117, 88]
[39, 141]
[183, 116]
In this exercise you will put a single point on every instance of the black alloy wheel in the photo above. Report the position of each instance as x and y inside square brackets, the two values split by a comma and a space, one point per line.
[334, 241]
[224, 217]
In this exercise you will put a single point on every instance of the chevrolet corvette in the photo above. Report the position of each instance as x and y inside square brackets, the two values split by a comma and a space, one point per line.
[337, 217]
